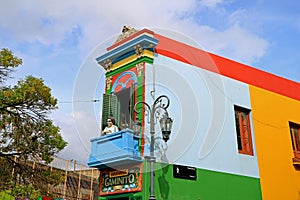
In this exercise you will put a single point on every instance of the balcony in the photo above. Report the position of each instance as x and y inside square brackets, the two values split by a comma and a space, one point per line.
[115, 150]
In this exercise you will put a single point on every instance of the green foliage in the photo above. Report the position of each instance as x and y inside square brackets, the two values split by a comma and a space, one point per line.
[7, 59]
[7, 62]
[20, 190]
[6, 195]
[26, 131]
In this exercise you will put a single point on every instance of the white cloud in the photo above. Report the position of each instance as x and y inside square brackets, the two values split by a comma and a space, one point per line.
[237, 16]
[234, 42]
[77, 129]
[50, 23]
[211, 3]
[242, 45]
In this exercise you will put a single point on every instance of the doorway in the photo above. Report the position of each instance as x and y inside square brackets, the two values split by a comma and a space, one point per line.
[126, 100]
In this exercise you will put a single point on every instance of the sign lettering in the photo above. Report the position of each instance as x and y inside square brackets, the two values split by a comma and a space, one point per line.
[121, 181]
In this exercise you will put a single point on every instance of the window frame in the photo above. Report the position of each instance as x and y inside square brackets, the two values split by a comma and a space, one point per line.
[243, 135]
[296, 150]
[113, 105]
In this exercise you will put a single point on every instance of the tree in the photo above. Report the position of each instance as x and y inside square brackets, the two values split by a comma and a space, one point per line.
[27, 134]
[7, 63]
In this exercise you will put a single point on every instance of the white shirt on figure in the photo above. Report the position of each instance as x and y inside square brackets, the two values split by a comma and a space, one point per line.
[110, 130]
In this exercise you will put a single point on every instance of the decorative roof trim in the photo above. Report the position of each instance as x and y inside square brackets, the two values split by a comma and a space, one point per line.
[126, 32]
[143, 31]
[140, 45]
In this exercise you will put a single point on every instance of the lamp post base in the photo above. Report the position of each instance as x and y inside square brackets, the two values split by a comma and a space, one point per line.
[150, 158]
[152, 198]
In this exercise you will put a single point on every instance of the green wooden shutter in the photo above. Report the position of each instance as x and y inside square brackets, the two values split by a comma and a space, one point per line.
[110, 108]
[115, 108]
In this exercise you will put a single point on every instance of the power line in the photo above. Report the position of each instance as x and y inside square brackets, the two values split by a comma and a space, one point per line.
[80, 101]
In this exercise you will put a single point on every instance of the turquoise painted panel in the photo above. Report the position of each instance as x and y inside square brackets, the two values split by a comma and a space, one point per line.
[113, 150]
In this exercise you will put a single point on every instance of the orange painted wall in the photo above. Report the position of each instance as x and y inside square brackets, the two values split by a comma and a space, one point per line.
[271, 113]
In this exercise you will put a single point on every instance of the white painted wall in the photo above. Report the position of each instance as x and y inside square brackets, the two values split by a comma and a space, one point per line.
[202, 106]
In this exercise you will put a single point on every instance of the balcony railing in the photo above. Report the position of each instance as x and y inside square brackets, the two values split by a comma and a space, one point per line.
[115, 150]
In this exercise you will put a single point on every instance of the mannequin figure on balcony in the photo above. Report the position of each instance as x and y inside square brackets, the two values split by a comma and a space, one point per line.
[111, 127]
[123, 124]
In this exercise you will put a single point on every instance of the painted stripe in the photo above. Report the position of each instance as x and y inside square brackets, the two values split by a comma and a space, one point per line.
[125, 61]
[128, 66]
[226, 67]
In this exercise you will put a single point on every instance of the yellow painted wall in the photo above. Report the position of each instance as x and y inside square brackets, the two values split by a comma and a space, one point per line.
[271, 113]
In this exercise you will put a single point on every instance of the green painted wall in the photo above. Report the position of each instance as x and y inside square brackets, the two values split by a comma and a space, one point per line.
[209, 185]
[216, 185]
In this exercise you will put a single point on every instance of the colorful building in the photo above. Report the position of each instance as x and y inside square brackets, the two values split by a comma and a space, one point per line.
[235, 133]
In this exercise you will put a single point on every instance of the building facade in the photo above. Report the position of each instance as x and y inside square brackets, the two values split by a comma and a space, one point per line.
[235, 133]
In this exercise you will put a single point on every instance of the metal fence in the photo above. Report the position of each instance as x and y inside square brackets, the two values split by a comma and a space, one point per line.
[78, 181]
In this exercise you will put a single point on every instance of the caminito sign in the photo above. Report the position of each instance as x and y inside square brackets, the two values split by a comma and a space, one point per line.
[121, 181]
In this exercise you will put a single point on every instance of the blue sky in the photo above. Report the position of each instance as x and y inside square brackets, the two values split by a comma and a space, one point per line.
[58, 41]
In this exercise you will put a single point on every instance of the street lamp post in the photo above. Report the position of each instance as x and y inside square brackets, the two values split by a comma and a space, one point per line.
[165, 124]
